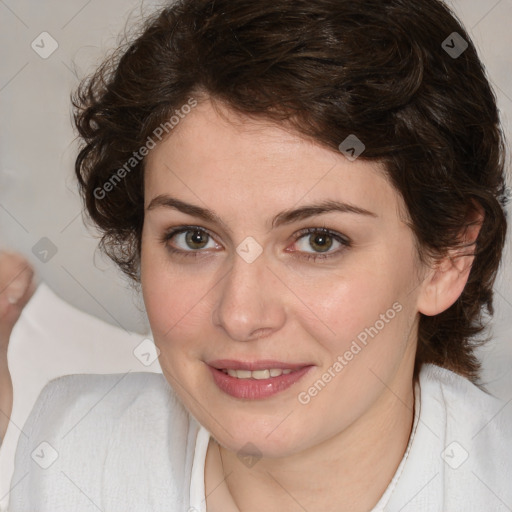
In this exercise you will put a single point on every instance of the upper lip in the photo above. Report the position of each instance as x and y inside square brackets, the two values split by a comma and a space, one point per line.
[231, 364]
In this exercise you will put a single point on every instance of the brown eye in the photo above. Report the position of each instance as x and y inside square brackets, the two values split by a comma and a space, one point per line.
[196, 239]
[321, 241]
[188, 240]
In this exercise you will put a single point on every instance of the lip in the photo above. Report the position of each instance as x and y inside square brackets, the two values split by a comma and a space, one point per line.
[255, 389]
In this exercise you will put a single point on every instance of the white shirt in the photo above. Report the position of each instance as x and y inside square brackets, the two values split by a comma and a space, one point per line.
[121, 443]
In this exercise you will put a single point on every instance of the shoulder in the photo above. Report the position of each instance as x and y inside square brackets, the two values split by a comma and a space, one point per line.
[461, 401]
[94, 383]
[106, 434]
[93, 406]
[460, 457]
[116, 389]
[471, 419]
[461, 453]
[68, 399]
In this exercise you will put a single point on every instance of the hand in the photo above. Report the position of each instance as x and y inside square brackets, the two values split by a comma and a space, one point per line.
[16, 288]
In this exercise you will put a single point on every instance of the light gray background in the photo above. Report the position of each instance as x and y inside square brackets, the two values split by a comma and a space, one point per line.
[38, 195]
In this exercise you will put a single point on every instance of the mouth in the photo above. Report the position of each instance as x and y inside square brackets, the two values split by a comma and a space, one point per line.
[257, 379]
[256, 374]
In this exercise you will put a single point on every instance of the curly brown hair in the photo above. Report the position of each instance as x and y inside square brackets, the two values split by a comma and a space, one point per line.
[391, 71]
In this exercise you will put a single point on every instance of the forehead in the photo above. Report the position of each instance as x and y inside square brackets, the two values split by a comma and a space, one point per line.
[222, 158]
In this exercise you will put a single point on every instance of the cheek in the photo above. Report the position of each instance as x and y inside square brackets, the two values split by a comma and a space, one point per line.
[340, 306]
[170, 303]
[361, 313]
[177, 304]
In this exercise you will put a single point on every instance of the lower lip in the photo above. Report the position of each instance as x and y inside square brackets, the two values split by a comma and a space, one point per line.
[254, 389]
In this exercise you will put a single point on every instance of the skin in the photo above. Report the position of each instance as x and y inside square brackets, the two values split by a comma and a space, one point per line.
[285, 307]
[16, 288]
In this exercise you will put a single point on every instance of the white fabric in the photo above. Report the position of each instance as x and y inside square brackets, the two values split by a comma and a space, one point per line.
[125, 443]
[52, 338]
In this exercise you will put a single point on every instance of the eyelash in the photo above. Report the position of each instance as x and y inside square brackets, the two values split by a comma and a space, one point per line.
[344, 241]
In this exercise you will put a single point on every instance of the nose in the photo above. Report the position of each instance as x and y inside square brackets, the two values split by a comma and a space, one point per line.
[251, 301]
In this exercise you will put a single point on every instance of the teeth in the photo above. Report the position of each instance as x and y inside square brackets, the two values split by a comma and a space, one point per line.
[257, 374]
[260, 374]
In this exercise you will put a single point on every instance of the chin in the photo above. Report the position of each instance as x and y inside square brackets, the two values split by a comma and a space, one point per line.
[258, 439]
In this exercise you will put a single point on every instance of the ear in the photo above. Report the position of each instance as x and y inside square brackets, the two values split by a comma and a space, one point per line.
[447, 278]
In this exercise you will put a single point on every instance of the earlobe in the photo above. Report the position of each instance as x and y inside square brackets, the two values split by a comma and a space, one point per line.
[446, 280]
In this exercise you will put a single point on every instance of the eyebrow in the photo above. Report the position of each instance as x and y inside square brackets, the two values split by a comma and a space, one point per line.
[282, 218]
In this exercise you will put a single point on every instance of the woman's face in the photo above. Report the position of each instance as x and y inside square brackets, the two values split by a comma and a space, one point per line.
[245, 286]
